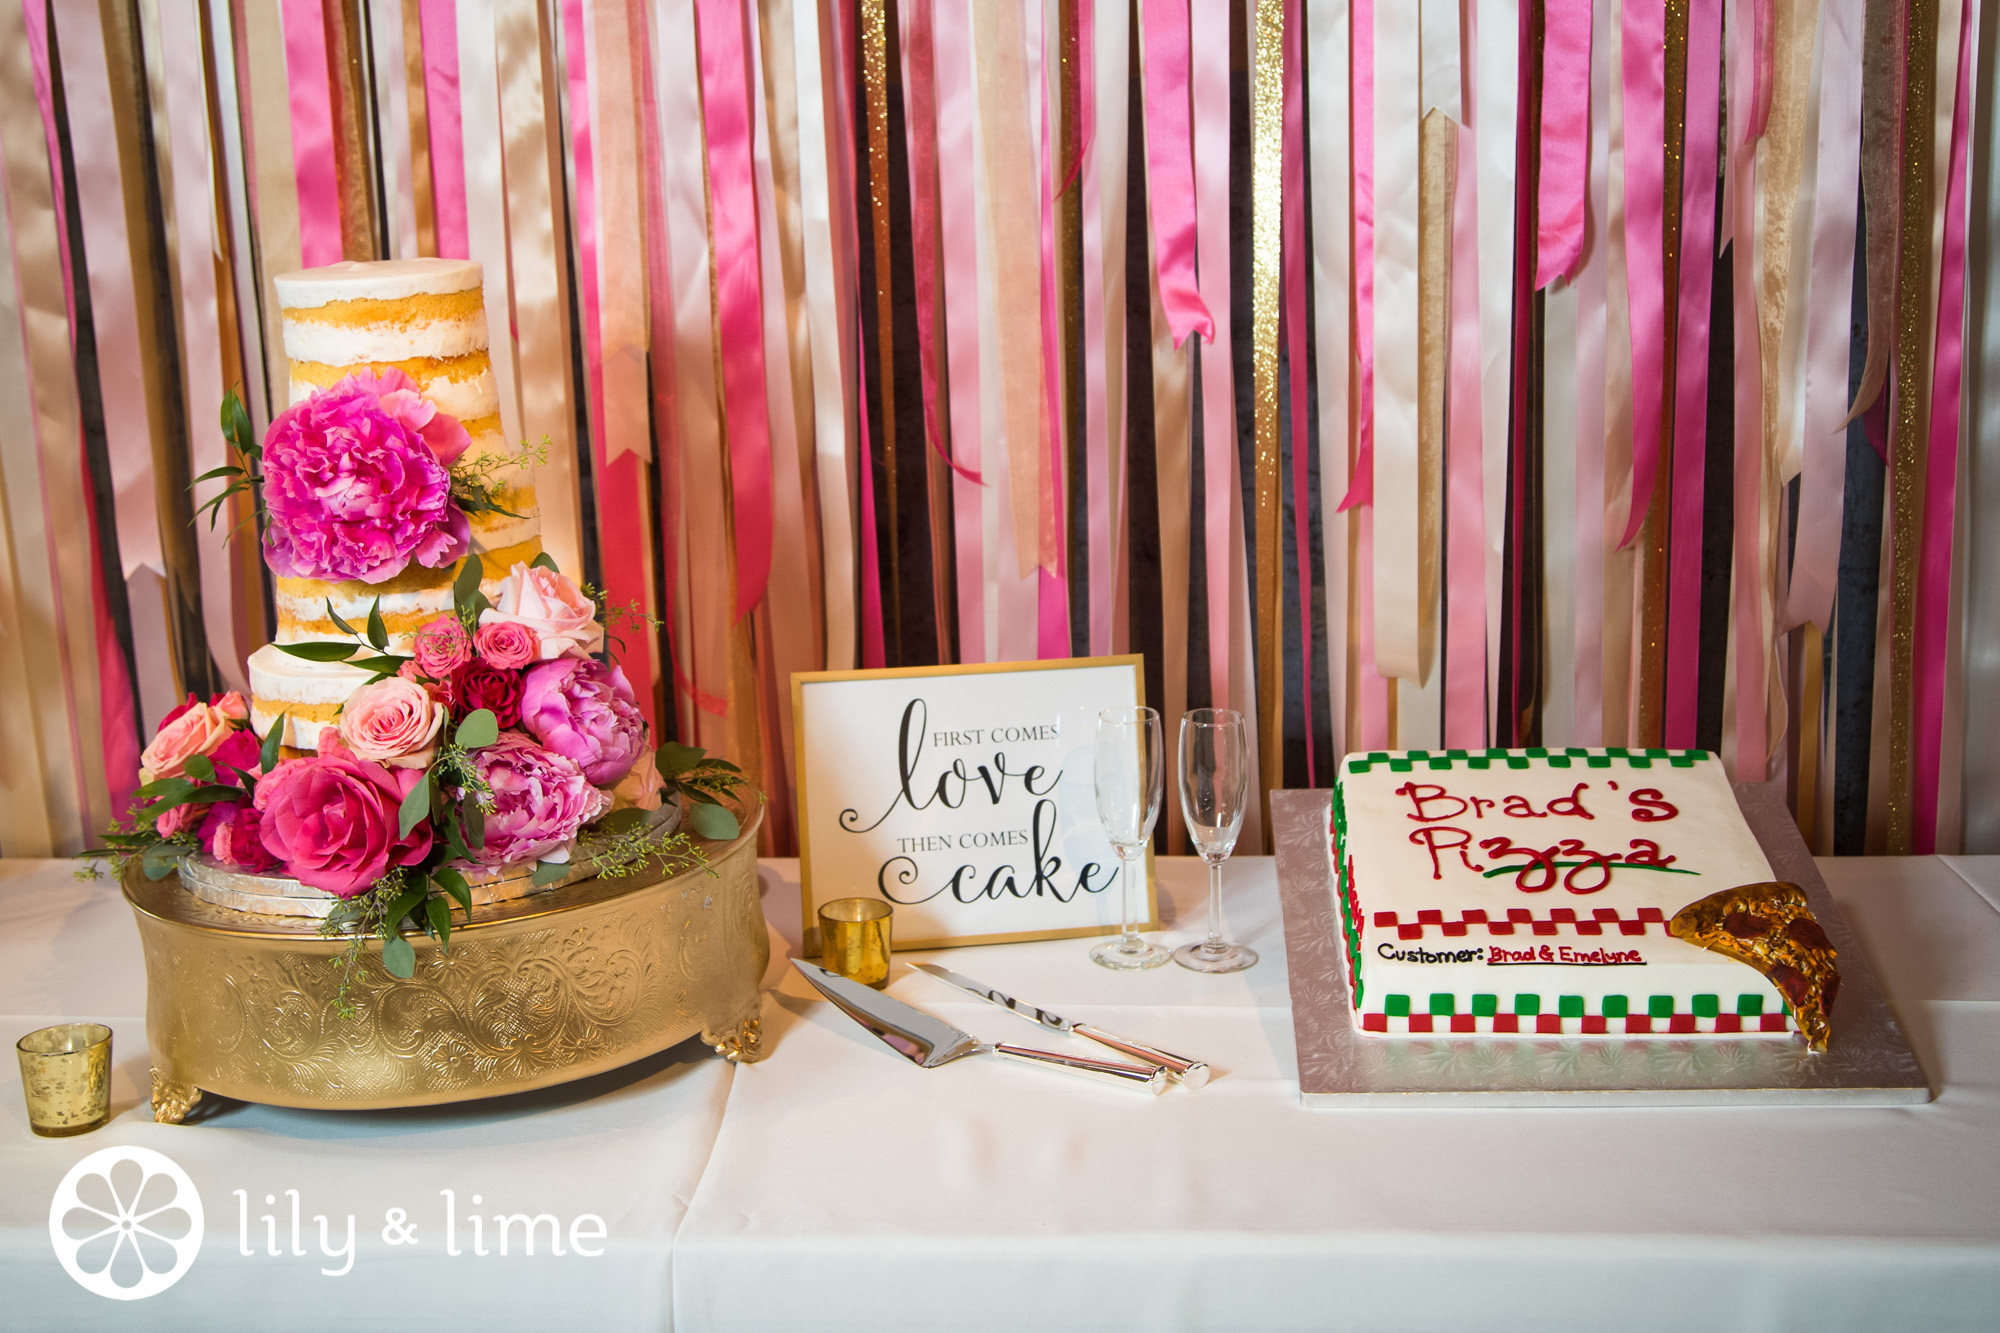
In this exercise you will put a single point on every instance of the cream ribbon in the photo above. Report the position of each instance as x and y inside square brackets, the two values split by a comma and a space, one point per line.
[1560, 391]
[486, 204]
[392, 125]
[1326, 105]
[1492, 35]
[1621, 565]
[261, 60]
[1592, 383]
[1398, 107]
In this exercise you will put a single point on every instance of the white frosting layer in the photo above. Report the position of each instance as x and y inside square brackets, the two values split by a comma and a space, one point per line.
[467, 399]
[347, 344]
[1515, 890]
[353, 608]
[380, 280]
[279, 680]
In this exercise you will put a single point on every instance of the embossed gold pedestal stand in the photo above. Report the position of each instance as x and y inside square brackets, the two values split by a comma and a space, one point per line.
[532, 992]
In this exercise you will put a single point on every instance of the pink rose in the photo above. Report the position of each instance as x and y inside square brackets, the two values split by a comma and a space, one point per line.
[540, 800]
[562, 619]
[394, 722]
[231, 706]
[640, 788]
[441, 647]
[180, 819]
[356, 483]
[477, 685]
[231, 835]
[191, 729]
[507, 645]
[331, 819]
[583, 709]
[238, 754]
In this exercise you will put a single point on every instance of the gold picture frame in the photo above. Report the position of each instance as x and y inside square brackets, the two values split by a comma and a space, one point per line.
[808, 904]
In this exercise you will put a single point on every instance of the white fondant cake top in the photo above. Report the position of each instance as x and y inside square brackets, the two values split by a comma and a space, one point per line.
[377, 279]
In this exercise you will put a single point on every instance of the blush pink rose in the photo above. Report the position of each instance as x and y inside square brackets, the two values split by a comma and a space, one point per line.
[180, 819]
[582, 708]
[507, 645]
[640, 788]
[441, 647]
[331, 819]
[540, 800]
[562, 619]
[394, 722]
[191, 729]
[231, 834]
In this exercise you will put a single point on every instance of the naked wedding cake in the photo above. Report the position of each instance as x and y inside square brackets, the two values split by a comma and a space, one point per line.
[1608, 893]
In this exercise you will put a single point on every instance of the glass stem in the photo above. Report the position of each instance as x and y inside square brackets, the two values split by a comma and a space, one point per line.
[1214, 943]
[1129, 943]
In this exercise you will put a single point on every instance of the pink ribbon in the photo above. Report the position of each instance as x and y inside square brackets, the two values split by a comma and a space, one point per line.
[1052, 588]
[438, 20]
[1697, 275]
[1222, 519]
[312, 133]
[1361, 486]
[958, 226]
[1099, 507]
[1371, 687]
[1564, 173]
[1170, 167]
[1465, 503]
[872, 654]
[1644, 60]
[1295, 251]
[1941, 479]
[725, 82]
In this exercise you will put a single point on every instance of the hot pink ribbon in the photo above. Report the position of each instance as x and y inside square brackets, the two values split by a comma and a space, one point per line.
[1465, 502]
[312, 133]
[1941, 480]
[1170, 167]
[1697, 275]
[1361, 486]
[1644, 60]
[725, 85]
[1296, 253]
[1564, 174]
[438, 20]
[1509, 713]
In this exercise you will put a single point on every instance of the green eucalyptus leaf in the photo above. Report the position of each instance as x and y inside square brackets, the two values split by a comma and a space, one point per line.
[408, 901]
[548, 872]
[415, 808]
[164, 787]
[267, 758]
[480, 605]
[322, 651]
[628, 820]
[473, 821]
[378, 633]
[545, 561]
[714, 822]
[161, 859]
[439, 917]
[217, 472]
[673, 758]
[339, 623]
[479, 728]
[386, 665]
[399, 958]
[466, 586]
[454, 884]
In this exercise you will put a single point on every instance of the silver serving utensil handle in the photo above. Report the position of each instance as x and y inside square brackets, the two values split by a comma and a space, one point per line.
[1190, 1074]
[1152, 1078]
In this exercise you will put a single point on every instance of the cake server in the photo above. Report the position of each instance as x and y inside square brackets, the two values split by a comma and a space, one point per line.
[930, 1042]
[1191, 1074]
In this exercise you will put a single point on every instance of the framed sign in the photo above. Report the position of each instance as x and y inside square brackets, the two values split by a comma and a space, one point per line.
[963, 796]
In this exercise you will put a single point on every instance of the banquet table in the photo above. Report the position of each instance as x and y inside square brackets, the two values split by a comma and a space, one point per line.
[836, 1186]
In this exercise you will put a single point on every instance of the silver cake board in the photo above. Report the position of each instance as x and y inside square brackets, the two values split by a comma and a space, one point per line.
[1869, 1062]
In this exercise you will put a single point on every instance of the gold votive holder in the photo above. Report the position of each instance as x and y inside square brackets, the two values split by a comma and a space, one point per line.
[854, 939]
[66, 1076]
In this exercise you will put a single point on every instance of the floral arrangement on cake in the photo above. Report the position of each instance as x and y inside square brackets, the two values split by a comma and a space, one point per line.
[505, 738]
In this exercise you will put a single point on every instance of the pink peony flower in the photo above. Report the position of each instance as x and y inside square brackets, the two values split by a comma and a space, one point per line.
[540, 800]
[562, 619]
[476, 685]
[583, 709]
[356, 483]
[331, 819]
[394, 722]
[507, 645]
[640, 788]
[230, 835]
[441, 647]
[191, 729]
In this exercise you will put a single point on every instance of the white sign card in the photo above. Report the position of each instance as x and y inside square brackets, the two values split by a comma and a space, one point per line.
[964, 797]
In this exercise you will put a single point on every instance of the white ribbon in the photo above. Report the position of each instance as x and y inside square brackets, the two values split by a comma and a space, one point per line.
[1326, 103]
[1493, 36]
[1398, 108]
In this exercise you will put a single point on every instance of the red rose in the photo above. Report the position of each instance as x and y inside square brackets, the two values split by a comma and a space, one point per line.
[478, 686]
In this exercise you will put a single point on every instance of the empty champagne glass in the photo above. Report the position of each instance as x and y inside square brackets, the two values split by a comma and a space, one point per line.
[1130, 777]
[1215, 783]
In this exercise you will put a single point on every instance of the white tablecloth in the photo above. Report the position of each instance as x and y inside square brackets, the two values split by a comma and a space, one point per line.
[836, 1186]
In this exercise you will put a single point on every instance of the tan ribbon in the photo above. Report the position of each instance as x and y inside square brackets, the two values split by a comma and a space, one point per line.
[1621, 565]
[392, 126]
[1398, 137]
[1882, 92]
[261, 58]
[1327, 44]
[423, 202]
[486, 204]
[1108, 168]
[1438, 179]
[1782, 173]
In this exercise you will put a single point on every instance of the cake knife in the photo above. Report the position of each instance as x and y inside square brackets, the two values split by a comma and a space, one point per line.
[928, 1042]
[1190, 1074]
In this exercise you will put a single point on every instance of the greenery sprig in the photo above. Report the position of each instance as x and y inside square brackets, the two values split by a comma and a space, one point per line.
[475, 482]
[243, 476]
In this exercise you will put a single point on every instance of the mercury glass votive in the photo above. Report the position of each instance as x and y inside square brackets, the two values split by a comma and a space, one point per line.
[854, 939]
[66, 1077]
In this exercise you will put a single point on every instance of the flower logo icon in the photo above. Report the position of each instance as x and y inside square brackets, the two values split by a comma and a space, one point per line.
[126, 1223]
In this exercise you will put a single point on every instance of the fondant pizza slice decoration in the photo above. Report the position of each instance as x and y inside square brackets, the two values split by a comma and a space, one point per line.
[1771, 927]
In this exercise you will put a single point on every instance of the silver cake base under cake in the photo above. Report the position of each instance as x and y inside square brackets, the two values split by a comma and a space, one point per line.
[1869, 1063]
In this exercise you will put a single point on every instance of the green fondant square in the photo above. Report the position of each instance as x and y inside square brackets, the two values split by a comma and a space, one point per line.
[1443, 1002]
[1558, 761]
[1417, 754]
[1479, 761]
[1486, 1005]
[1616, 752]
[1749, 1005]
[1440, 764]
[1399, 765]
[1707, 1006]
[1660, 1006]
[1615, 1006]
[1378, 756]
[1570, 1006]
[1681, 761]
[1527, 1004]
[1517, 761]
[1538, 752]
[1656, 754]
[1396, 1006]
[1359, 766]
[1599, 761]
[1638, 761]
[1454, 754]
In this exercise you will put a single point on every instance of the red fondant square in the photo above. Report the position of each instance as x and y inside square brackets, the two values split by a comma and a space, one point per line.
[1473, 914]
[1409, 932]
[1430, 916]
[1549, 1023]
[1771, 1023]
[1638, 1023]
[1454, 928]
[1590, 927]
[1374, 1022]
[1545, 927]
[1463, 1023]
[1563, 914]
[1680, 1023]
[1729, 1022]
[1519, 914]
[1651, 914]
[1606, 914]
[1631, 927]
[1420, 1022]
[1385, 919]
[1500, 927]
[1506, 1022]
[1593, 1024]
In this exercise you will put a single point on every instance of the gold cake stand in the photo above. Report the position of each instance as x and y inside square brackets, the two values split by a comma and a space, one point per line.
[533, 991]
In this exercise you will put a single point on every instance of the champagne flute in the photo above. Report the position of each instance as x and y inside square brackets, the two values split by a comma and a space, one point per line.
[1130, 777]
[1215, 784]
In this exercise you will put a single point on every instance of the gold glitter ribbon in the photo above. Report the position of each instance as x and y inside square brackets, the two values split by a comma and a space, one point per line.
[1912, 427]
[1266, 205]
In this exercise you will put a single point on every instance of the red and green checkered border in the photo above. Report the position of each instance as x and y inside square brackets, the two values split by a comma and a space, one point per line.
[1440, 1012]
[1574, 756]
[1520, 920]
